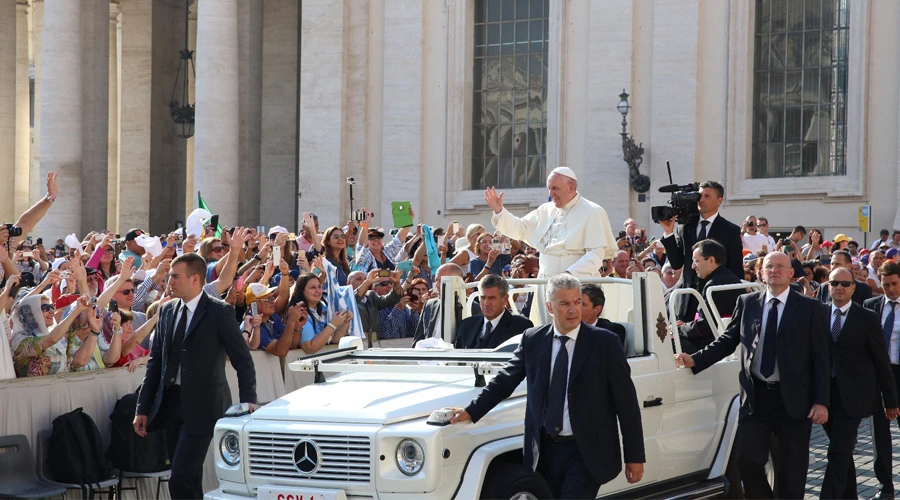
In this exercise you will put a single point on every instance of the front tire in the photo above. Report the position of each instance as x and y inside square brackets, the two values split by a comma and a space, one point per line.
[509, 481]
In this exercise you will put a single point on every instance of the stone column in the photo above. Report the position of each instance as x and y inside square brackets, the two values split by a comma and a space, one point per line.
[7, 107]
[61, 110]
[217, 136]
[112, 136]
[35, 186]
[250, 41]
[135, 100]
[23, 109]
[95, 98]
[279, 113]
[190, 201]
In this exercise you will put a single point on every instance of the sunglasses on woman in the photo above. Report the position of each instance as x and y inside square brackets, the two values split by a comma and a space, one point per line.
[47, 308]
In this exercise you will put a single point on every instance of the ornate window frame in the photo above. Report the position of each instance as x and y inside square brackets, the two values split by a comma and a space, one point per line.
[460, 49]
[738, 142]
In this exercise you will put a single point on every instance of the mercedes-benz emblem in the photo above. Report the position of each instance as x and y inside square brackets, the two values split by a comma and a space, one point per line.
[306, 456]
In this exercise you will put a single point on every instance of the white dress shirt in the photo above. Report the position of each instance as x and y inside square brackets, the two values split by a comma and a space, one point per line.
[711, 219]
[758, 355]
[191, 307]
[570, 348]
[894, 348]
[494, 322]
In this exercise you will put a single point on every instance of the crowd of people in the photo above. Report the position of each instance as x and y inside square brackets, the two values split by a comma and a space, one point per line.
[92, 304]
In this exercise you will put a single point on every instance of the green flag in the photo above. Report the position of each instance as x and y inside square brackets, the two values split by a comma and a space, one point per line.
[204, 206]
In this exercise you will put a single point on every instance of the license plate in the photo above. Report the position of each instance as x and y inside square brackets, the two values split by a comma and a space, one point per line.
[299, 493]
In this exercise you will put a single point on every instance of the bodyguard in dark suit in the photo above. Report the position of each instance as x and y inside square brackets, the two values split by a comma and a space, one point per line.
[679, 242]
[184, 389]
[592, 302]
[862, 291]
[859, 367]
[785, 378]
[707, 260]
[888, 312]
[579, 384]
[495, 325]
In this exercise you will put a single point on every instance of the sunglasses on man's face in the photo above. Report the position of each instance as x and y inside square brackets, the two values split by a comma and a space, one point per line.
[383, 283]
[47, 308]
[127, 291]
[845, 284]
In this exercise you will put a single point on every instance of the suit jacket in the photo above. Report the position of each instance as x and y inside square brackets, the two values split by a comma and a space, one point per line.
[369, 312]
[699, 330]
[427, 320]
[616, 328]
[509, 326]
[600, 390]
[801, 347]
[679, 252]
[213, 333]
[877, 304]
[862, 293]
[861, 360]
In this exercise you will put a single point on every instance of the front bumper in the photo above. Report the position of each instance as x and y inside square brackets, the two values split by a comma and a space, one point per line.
[218, 494]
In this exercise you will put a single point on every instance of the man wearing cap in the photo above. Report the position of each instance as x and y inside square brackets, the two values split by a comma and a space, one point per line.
[371, 301]
[273, 337]
[893, 255]
[132, 248]
[572, 233]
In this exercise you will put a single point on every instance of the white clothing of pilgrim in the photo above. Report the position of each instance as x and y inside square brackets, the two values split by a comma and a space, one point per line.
[575, 238]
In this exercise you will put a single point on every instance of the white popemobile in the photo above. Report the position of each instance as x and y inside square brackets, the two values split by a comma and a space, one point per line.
[368, 427]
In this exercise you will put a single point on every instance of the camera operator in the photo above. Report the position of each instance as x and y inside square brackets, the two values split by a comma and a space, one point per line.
[679, 242]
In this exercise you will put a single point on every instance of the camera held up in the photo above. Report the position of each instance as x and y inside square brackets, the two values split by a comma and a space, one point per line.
[682, 205]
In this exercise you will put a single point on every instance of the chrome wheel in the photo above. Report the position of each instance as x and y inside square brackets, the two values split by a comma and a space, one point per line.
[523, 495]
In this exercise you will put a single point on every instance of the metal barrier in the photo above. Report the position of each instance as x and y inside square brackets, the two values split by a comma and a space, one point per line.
[708, 306]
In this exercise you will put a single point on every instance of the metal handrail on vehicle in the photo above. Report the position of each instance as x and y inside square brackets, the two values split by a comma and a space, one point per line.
[710, 312]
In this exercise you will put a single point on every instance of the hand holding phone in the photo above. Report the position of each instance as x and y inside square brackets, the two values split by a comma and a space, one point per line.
[276, 255]
[254, 309]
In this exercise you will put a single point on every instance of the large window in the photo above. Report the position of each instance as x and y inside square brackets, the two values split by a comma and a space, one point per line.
[800, 88]
[509, 104]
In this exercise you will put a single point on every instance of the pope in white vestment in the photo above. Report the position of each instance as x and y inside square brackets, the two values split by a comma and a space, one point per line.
[574, 237]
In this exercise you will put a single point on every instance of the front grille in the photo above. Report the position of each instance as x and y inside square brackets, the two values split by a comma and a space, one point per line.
[343, 458]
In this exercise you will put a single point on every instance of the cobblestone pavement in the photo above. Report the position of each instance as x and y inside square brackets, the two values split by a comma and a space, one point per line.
[867, 484]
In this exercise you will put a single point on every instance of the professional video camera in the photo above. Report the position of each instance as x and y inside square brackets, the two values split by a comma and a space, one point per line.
[683, 203]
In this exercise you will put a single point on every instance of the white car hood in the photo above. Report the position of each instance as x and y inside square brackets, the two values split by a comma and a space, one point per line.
[374, 398]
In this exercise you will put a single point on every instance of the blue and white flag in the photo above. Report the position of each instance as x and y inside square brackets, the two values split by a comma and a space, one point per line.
[341, 298]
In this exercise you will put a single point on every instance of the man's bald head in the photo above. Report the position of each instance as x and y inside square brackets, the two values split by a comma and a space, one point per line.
[777, 272]
[620, 263]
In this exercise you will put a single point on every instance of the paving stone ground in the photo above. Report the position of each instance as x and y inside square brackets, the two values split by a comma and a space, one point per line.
[867, 483]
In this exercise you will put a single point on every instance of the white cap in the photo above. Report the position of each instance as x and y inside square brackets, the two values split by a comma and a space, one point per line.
[153, 245]
[58, 262]
[277, 229]
[566, 171]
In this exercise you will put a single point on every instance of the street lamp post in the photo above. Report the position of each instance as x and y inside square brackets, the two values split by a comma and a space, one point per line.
[633, 153]
[182, 112]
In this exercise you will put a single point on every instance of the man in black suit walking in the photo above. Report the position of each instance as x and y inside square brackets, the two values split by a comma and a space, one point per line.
[888, 312]
[859, 367]
[708, 259]
[785, 378]
[495, 325]
[862, 291]
[579, 383]
[184, 389]
[679, 242]
[592, 302]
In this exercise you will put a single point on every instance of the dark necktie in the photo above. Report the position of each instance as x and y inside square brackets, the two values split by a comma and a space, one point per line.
[889, 326]
[485, 337]
[767, 365]
[835, 333]
[174, 359]
[556, 400]
[702, 235]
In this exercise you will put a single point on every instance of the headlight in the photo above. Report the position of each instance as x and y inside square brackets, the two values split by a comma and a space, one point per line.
[410, 457]
[230, 448]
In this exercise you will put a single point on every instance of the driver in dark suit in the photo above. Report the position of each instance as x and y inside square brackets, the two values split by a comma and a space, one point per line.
[495, 325]
[679, 242]
[572, 442]
[184, 389]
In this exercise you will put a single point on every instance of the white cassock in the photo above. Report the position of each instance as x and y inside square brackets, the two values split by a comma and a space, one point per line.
[575, 238]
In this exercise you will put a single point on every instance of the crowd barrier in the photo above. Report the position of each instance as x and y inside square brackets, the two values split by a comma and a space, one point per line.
[29, 405]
